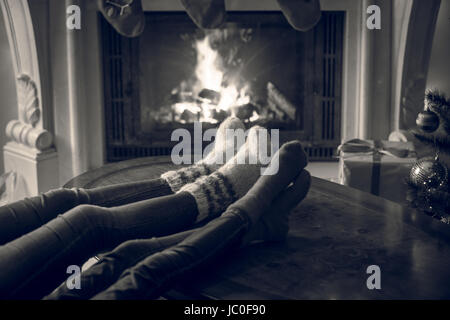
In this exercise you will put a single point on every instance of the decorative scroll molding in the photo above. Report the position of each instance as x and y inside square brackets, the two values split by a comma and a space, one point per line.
[28, 100]
[25, 134]
[24, 130]
[28, 130]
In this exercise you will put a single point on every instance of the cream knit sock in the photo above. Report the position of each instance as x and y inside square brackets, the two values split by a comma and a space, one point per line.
[212, 162]
[214, 193]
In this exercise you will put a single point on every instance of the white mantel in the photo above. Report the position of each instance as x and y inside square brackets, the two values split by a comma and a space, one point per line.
[30, 152]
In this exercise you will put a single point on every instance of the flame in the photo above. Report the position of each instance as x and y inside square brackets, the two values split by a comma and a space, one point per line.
[179, 108]
[254, 117]
[210, 74]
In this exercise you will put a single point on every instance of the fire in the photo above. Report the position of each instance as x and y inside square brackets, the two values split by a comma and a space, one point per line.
[210, 74]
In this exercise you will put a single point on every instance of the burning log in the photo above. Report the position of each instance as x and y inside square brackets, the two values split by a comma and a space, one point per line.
[220, 115]
[177, 97]
[276, 98]
[188, 116]
[244, 112]
[211, 95]
[275, 109]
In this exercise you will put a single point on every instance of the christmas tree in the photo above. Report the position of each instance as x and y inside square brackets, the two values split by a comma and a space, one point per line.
[429, 178]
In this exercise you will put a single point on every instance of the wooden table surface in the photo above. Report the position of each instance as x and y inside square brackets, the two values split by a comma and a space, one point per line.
[335, 234]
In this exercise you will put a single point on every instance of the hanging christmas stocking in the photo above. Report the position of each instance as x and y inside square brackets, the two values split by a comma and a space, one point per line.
[126, 16]
[207, 14]
[301, 14]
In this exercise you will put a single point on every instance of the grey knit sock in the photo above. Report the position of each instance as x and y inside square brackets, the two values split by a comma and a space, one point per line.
[214, 193]
[273, 223]
[212, 162]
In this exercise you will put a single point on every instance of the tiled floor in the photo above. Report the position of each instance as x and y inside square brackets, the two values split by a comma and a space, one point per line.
[324, 170]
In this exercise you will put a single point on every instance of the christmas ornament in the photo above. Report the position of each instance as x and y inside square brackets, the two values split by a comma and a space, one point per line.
[427, 121]
[429, 173]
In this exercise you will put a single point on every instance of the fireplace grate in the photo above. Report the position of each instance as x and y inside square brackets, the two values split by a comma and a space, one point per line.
[120, 153]
[331, 76]
[314, 153]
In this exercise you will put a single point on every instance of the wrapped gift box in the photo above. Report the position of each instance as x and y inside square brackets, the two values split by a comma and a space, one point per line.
[378, 167]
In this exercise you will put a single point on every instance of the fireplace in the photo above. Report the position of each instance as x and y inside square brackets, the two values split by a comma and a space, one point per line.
[256, 67]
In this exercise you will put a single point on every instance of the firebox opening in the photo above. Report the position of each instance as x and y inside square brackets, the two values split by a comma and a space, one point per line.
[256, 67]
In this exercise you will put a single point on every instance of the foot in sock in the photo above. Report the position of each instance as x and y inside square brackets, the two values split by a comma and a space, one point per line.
[271, 196]
[273, 225]
[212, 162]
[214, 193]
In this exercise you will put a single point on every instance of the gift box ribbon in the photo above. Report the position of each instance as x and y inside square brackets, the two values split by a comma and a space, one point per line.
[358, 147]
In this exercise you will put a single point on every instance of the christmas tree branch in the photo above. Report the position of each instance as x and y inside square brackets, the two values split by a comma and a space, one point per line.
[435, 98]
[438, 103]
[438, 201]
[442, 143]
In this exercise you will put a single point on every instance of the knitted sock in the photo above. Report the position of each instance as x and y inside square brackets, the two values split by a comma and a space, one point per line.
[301, 14]
[273, 224]
[212, 162]
[214, 193]
[126, 16]
[207, 14]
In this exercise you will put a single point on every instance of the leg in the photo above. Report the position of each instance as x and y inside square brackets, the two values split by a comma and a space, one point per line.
[84, 231]
[239, 224]
[151, 277]
[111, 265]
[24, 216]
[33, 265]
[21, 217]
[271, 226]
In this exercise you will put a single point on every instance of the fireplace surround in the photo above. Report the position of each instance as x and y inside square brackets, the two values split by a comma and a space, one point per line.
[381, 83]
[260, 49]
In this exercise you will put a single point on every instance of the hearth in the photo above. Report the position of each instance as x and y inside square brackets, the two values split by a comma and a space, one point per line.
[256, 67]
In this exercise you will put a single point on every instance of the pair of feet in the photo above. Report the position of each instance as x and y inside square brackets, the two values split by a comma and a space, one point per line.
[269, 202]
[266, 199]
[127, 16]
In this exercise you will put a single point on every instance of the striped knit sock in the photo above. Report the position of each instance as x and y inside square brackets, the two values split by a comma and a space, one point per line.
[214, 193]
[212, 162]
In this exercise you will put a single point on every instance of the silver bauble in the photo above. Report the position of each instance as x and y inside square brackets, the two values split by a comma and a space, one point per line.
[429, 173]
